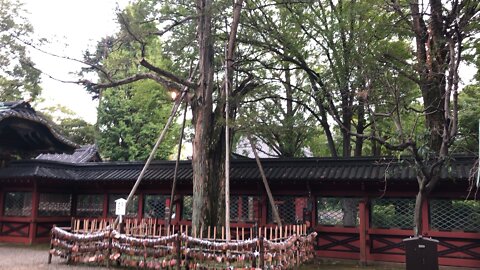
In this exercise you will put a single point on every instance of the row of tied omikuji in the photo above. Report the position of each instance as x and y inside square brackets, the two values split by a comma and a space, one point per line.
[191, 253]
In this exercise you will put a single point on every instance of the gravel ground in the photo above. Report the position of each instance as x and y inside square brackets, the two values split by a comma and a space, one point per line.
[19, 257]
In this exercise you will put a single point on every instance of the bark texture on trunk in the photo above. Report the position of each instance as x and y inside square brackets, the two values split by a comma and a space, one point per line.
[431, 54]
[418, 213]
[208, 161]
[207, 165]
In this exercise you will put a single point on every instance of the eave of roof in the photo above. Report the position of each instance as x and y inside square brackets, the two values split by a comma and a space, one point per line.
[242, 170]
[86, 153]
[22, 111]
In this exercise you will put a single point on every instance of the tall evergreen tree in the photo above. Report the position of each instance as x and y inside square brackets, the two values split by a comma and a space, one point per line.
[206, 92]
[18, 77]
[130, 116]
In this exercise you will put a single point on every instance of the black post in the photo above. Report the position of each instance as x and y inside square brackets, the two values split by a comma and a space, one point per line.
[109, 250]
[178, 244]
[262, 253]
[51, 246]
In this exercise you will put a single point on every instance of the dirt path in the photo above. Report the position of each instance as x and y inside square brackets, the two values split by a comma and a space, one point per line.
[18, 257]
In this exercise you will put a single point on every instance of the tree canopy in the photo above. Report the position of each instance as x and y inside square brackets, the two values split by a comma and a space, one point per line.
[18, 77]
[364, 78]
[130, 116]
[70, 125]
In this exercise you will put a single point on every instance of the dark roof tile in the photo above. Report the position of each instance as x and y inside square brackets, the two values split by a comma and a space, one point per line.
[42, 134]
[276, 170]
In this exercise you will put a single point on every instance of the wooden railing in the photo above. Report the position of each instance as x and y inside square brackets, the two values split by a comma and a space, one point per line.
[150, 227]
[177, 248]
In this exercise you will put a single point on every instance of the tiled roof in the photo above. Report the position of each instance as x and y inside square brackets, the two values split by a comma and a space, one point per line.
[244, 170]
[86, 153]
[25, 130]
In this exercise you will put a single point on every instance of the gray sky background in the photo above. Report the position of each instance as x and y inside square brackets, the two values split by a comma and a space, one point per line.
[71, 26]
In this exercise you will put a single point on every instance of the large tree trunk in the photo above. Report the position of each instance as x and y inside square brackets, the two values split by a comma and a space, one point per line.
[358, 152]
[207, 165]
[324, 119]
[417, 219]
[431, 54]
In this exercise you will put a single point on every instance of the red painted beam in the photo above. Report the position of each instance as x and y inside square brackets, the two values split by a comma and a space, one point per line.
[363, 232]
[337, 254]
[35, 202]
[459, 262]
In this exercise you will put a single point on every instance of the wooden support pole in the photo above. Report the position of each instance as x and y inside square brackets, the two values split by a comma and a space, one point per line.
[178, 244]
[177, 161]
[155, 147]
[265, 183]
[262, 253]
[109, 250]
[51, 247]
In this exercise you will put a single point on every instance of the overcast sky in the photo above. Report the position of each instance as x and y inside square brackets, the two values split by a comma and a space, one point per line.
[71, 26]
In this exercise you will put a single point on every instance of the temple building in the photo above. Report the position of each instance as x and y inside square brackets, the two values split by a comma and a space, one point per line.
[362, 208]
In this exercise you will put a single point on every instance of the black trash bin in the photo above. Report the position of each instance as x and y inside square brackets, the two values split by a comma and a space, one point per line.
[421, 253]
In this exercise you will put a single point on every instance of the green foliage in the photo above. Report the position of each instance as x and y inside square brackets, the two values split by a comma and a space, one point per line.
[346, 56]
[318, 144]
[391, 213]
[469, 116]
[18, 77]
[131, 116]
[130, 119]
[70, 125]
[275, 116]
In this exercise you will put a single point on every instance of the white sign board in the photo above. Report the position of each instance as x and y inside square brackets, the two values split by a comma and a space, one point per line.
[120, 207]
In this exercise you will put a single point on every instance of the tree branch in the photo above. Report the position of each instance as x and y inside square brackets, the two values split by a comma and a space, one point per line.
[137, 77]
[167, 74]
[175, 24]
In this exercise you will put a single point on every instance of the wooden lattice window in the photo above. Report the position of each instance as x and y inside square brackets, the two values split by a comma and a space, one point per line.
[337, 211]
[455, 215]
[291, 209]
[187, 209]
[393, 213]
[17, 204]
[54, 204]
[243, 208]
[154, 206]
[90, 205]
